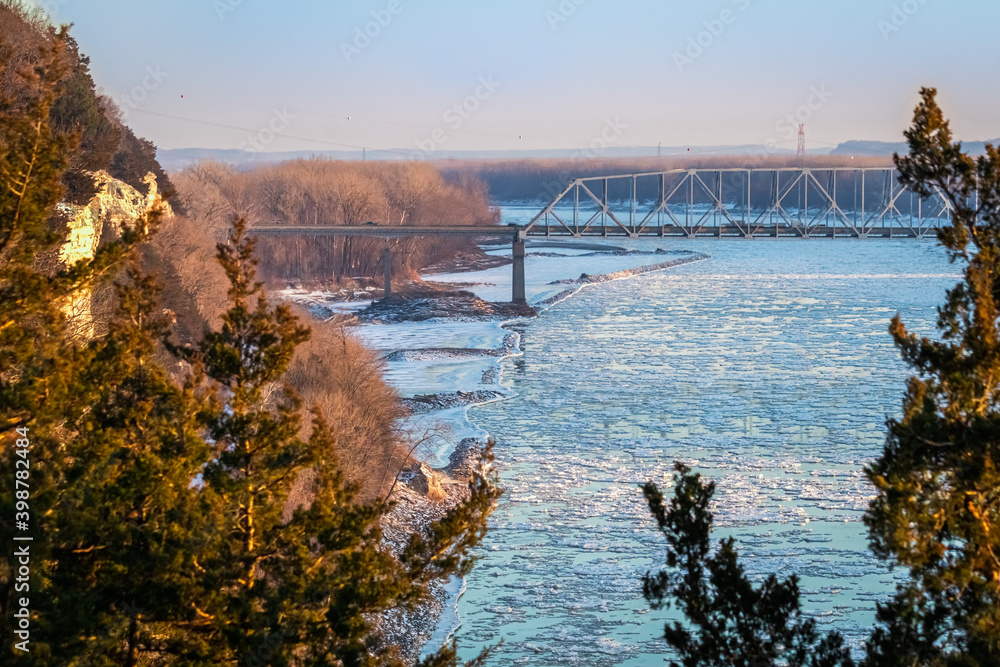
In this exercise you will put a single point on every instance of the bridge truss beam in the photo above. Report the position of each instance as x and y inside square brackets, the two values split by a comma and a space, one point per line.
[800, 202]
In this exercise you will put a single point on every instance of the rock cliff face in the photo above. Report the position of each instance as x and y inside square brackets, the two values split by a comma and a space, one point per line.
[427, 482]
[115, 206]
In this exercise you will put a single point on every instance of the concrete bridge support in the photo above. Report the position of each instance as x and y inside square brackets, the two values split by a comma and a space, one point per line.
[518, 295]
[517, 291]
[387, 271]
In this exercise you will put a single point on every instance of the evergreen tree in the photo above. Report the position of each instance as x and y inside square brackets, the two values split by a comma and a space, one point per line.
[304, 586]
[36, 351]
[126, 531]
[31, 162]
[83, 405]
[159, 512]
[937, 507]
[730, 622]
[937, 511]
[78, 109]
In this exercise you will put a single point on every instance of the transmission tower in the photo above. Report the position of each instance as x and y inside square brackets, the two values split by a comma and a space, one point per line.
[802, 140]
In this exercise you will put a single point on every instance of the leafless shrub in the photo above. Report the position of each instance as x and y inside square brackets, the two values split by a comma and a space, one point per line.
[182, 254]
[336, 373]
[23, 27]
[332, 371]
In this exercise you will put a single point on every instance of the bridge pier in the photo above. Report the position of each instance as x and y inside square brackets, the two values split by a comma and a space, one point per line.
[387, 272]
[518, 295]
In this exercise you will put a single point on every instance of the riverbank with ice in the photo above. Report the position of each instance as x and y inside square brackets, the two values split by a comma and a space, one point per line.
[446, 365]
[444, 345]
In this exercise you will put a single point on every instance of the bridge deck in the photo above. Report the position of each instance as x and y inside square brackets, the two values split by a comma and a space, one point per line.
[595, 231]
[731, 231]
[382, 231]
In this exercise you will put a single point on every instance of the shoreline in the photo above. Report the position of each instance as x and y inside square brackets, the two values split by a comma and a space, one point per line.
[442, 606]
[588, 281]
[788, 270]
[425, 493]
[415, 631]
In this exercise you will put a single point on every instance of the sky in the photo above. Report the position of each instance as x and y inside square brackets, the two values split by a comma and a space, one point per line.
[425, 77]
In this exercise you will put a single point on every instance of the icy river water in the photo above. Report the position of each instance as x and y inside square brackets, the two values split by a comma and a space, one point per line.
[767, 367]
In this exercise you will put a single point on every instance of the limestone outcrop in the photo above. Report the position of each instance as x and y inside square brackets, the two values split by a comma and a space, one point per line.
[115, 205]
[427, 482]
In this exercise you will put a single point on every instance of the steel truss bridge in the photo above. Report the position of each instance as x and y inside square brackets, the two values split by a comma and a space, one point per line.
[694, 203]
[739, 202]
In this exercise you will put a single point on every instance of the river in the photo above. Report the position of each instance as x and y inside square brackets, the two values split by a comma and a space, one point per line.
[767, 367]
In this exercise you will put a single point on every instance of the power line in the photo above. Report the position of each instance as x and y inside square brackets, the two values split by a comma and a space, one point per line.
[252, 131]
[348, 117]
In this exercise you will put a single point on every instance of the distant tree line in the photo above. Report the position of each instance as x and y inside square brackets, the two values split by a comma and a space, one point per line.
[324, 192]
[541, 181]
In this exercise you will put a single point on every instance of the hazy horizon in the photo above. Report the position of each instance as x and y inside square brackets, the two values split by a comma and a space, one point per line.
[523, 76]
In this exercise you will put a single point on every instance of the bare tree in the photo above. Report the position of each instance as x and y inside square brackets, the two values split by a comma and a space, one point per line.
[324, 192]
[344, 378]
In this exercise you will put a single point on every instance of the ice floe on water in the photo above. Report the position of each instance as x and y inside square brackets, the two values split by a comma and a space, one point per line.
[768, 368]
